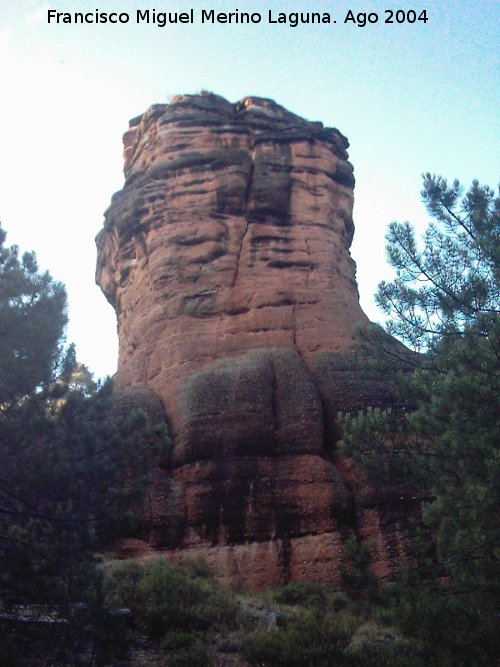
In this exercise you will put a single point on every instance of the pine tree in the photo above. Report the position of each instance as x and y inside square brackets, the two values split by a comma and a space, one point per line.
[32, 321]
[445, 304]
[71, 471]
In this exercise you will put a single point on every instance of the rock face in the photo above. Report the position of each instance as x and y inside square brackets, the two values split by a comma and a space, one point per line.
[226, 258]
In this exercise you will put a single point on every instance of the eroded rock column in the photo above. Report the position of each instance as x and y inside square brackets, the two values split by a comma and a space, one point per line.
[226, 258]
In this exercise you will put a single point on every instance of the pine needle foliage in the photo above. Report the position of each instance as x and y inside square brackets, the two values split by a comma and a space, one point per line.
[444, 303]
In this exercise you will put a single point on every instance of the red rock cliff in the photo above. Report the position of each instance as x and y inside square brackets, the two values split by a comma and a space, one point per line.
[226, 258]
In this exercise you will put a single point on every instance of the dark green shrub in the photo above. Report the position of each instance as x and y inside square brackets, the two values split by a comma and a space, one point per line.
[398, 654]
[308, 639]
[197, 567]
[170, 598]
[382, 646]
[164, 597]
[122, 585]
[303, 593]
[186, 649]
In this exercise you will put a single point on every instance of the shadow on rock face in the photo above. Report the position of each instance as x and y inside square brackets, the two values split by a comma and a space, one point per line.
[262, 403]
[126, 400]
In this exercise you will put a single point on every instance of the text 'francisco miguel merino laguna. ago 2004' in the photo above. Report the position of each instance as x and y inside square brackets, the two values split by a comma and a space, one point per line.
[163, 19]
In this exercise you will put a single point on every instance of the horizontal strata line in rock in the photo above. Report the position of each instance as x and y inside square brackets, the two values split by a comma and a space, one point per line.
[261, 458]
[273, 541]
[168, 172]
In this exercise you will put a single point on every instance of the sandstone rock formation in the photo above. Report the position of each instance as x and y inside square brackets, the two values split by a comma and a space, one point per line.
[226, 258]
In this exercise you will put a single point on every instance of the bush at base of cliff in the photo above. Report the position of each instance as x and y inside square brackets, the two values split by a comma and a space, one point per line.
[303, 593]
[186, 649]
[179, 608]
[191, 620]
[170, 598]
[307, 638]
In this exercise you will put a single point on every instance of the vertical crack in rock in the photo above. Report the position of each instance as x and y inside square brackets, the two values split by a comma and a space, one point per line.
[249, 181]
[238, 257]
[274, 407]
[286, 558]
[247, 197]
[310, 259]
[252, 483]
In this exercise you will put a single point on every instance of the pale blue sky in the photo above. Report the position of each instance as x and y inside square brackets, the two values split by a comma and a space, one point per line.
[410, 98]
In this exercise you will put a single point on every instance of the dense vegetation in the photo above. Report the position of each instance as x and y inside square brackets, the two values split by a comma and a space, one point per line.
[70, 473]
[445, 304]
[182, 617]
[71, 480]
